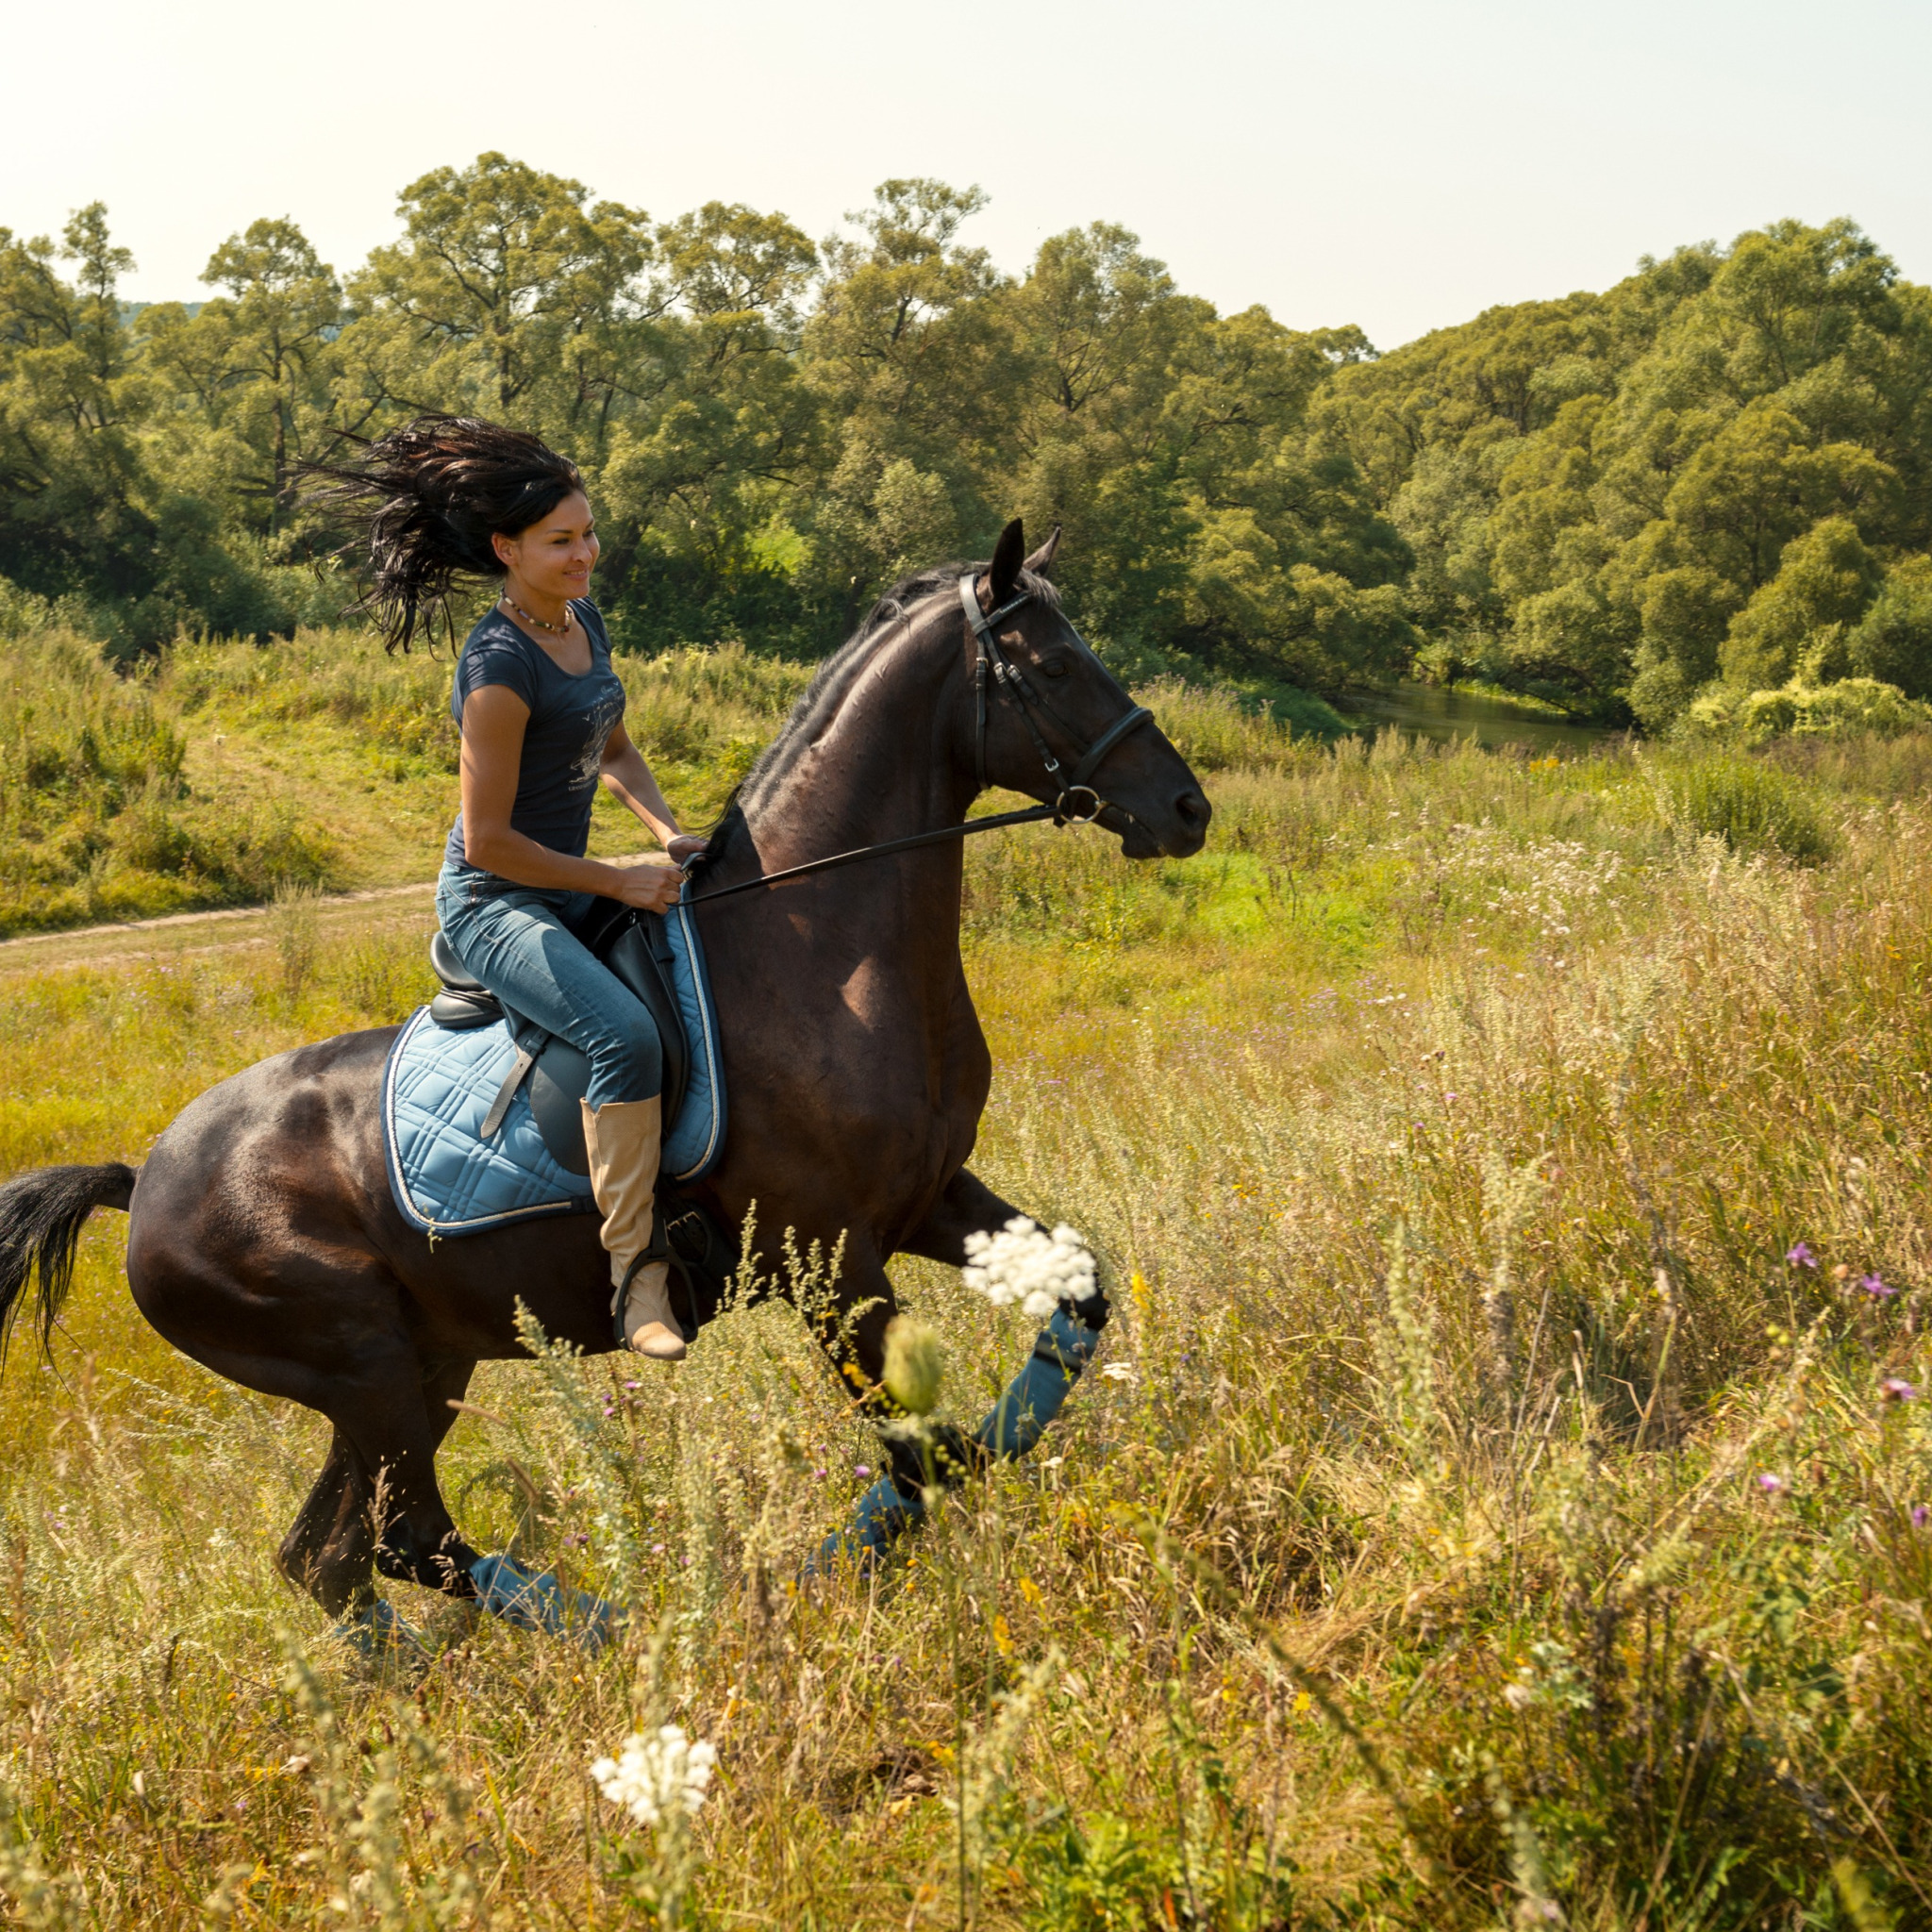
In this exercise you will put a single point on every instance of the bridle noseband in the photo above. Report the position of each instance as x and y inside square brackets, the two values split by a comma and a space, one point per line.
[990, 665]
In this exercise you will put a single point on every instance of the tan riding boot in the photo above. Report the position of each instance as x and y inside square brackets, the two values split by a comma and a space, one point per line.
[621, 1141]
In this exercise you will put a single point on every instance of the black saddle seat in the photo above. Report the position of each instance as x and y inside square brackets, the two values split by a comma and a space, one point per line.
[449, 969]
[464, 1000]
[632, 945]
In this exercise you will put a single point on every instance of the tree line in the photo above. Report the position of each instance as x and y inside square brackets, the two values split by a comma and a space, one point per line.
[1719, 470]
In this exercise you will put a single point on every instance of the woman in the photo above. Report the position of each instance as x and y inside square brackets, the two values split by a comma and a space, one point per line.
[540, 713]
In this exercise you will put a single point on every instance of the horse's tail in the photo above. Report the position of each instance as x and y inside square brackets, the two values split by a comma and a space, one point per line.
[40, 1218]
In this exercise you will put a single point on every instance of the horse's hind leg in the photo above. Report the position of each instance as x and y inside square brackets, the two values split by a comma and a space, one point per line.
[331, 1548]
[334, 1543]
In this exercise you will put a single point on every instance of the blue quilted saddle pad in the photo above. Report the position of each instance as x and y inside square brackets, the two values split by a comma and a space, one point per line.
[438, 1087]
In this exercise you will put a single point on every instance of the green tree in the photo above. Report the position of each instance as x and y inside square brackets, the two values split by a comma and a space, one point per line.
[1892, 642]
[511, 293]
[71, 463]
[1797, 622]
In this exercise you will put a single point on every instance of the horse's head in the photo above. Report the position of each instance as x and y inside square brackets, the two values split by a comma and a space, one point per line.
[1050, 721]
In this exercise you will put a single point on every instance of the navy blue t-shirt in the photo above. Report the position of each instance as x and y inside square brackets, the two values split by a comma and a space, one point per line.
[571, 717]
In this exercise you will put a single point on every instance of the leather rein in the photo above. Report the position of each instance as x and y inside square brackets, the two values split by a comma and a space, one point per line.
[991, 668]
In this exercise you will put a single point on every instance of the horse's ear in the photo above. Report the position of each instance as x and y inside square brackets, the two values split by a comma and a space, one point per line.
[1041, 562]
[1007, 553]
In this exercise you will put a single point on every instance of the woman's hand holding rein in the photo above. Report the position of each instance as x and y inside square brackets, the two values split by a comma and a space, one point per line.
[650, 886]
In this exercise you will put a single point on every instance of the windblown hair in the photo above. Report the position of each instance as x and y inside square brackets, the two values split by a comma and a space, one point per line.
[420, 504]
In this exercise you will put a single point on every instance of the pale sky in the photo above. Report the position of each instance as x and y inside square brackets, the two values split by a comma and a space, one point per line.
[1400, 166]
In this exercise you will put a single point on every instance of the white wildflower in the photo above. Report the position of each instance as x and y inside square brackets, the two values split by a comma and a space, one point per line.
[654, 1777]
[1023, 1264]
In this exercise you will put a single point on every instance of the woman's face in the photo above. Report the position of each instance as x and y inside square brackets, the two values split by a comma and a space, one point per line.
[555, 555]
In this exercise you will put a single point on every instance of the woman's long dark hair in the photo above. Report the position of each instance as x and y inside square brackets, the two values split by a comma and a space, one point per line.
[423, 503]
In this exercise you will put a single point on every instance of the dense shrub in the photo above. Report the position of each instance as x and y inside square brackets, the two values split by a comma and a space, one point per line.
[1751, 807]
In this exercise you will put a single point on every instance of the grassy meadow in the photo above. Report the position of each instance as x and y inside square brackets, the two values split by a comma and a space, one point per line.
[1505, 1497]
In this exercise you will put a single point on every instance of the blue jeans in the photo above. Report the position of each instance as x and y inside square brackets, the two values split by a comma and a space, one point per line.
[520, 945]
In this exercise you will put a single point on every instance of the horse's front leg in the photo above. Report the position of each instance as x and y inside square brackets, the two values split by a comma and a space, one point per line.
[1060, 1351]
[922, 1457]
[968, 1205]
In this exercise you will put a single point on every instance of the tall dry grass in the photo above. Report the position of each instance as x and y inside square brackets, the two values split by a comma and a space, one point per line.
[1478, 1515]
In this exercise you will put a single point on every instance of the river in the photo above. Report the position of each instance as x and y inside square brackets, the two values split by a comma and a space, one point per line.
[1430, 711]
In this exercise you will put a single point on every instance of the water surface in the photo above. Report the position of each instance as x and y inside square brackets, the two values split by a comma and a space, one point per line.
[1430, 711]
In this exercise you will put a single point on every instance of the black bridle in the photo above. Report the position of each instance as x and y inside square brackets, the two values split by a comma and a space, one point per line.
[991, 668]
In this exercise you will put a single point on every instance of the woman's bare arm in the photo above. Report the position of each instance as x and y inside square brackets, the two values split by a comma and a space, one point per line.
[629, 778]
[494, 718]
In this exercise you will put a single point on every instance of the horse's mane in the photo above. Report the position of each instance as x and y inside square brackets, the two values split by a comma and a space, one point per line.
[834, 680]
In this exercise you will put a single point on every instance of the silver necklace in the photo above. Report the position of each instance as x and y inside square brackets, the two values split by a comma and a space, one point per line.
[556, 630]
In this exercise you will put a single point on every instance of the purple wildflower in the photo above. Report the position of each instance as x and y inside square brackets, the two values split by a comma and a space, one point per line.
[1922, 1515]
[1771, 1485]
[1892, 1390]
[1800, 1256]
[863, 1469]
[821, 1474]
[1875, 1288]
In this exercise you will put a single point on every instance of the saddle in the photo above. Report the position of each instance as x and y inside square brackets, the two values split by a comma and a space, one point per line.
[634, 949]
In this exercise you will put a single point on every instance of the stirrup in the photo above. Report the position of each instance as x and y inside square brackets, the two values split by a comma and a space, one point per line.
[658, 1250]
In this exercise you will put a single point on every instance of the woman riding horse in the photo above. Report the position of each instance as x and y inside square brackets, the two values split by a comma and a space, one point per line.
[540, 713]
[265, 1240]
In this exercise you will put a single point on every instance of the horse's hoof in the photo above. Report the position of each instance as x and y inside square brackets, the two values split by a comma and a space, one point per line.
[504, 1589]
[377, 1634]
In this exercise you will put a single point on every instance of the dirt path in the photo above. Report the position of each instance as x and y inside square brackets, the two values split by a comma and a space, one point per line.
[128, 941]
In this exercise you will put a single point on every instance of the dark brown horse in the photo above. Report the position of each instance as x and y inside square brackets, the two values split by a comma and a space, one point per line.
[264, 1242]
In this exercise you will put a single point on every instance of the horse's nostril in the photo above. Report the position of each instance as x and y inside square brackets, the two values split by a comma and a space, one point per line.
[1191, 808]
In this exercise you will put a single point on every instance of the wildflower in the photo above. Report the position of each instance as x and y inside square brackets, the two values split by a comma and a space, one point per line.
[1118, 1372]
[1922, 1515]
[864, 1468]
[652, 1779]
[1800, 1256]
[915, 1365]
[1875, 1288]
[1892, 1390]
[1771, 1485]
[1023, 1264]
[1517, 1696]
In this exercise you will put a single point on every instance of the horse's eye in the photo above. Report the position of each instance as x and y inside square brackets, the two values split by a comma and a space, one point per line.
[1055, 667]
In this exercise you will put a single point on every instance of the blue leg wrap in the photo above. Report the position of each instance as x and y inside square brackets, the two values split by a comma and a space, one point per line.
[883, 1513]
[376, 1631]
[506, 1590]
[1032, 1399]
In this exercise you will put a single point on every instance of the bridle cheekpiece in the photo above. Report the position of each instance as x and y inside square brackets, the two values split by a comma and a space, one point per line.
[992, 666]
